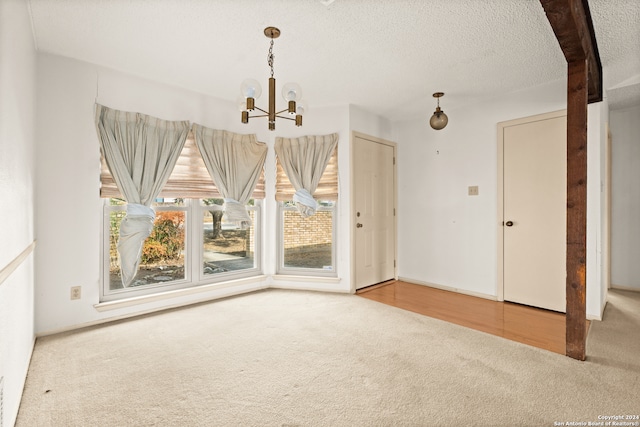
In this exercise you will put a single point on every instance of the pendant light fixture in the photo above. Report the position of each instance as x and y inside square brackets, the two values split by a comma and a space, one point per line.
[291, 92]
[439, 119]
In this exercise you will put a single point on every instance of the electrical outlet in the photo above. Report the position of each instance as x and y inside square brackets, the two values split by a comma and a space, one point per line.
[76, 292]
[473, 190]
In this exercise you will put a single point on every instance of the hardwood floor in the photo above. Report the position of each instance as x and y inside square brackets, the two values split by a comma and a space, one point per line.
[532, 326]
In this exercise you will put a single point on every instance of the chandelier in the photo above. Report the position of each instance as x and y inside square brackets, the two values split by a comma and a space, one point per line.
[291, 92]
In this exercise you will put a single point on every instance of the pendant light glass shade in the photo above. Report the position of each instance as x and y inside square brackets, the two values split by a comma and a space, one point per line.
[301, 107]
[241, 102]
[439, 119]
[291, 92]
[250, 88]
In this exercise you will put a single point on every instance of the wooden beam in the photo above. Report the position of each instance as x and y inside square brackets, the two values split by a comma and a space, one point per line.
[576, 209]
[571, 23]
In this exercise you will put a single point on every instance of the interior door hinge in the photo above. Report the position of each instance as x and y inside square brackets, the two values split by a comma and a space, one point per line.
[394, 263]
[394, 160]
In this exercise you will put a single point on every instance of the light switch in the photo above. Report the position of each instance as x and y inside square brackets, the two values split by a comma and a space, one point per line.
[473, 190]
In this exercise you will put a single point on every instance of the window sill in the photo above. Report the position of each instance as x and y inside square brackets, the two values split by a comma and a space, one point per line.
[161, 296]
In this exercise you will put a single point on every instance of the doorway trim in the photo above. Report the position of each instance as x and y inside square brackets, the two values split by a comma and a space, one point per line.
[500, 195]
[606, 240]
[352, 201]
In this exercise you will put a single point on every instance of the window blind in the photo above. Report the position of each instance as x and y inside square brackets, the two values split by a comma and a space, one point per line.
[327, 188]
[189, 179]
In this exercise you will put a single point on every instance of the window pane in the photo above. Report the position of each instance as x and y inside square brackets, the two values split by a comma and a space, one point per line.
[159, 202]
[307, 242]
[115, 282]
[227, 246]
[166, 262]
[162, 257]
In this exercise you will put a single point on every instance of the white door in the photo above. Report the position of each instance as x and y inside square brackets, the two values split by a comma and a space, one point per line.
[374, 209]
[534, 203]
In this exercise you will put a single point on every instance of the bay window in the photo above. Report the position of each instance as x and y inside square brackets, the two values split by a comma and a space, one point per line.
[181, 251]
[182, 204]
[306, 191]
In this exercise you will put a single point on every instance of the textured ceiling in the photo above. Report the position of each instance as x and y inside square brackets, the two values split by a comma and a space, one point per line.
[387, 57]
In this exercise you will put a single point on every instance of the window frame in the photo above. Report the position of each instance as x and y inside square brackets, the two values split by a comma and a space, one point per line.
[198, 262]
[193, 253]
[301, 271]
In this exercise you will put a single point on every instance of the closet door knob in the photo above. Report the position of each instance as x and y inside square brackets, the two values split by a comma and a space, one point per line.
[508, 223]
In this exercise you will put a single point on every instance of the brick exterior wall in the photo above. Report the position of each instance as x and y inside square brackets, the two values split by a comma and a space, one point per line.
[299, 231]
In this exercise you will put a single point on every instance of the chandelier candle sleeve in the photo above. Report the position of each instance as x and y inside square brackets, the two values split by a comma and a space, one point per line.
[272, 103]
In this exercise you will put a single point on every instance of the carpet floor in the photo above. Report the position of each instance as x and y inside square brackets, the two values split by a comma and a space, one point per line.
[295, 358]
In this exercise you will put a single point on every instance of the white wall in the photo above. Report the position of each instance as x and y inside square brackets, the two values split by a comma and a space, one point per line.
[598, 116]
[370, 124]
[447, 238]
[70, 210]
[17, 169]
[625, 195]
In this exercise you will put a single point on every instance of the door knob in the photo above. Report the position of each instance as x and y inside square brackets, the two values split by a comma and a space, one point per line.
[508, 223]
[358, 225]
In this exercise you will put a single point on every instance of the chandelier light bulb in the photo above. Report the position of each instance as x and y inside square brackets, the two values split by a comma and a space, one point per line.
[241, 102]
[250, 88]
[301, 107]
[292, 92]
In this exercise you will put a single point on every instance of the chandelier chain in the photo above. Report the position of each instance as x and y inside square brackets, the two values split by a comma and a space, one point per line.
[270, 57]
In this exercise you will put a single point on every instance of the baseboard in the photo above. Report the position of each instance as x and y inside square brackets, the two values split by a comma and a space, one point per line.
[606, 301]
[24, 382]
[374, 287]
[449, 288]
[308, 283]
[307, 279]
[598, 318]
[227, 294]
[625, 288]
[169, 295]
[223, 290]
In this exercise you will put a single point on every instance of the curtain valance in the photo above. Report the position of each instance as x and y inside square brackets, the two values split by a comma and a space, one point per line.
[307, 170]
[235, 162]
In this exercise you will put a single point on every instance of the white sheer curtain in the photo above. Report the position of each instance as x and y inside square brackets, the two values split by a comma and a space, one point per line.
[304, 160]
[140, 152]
[235, 163]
